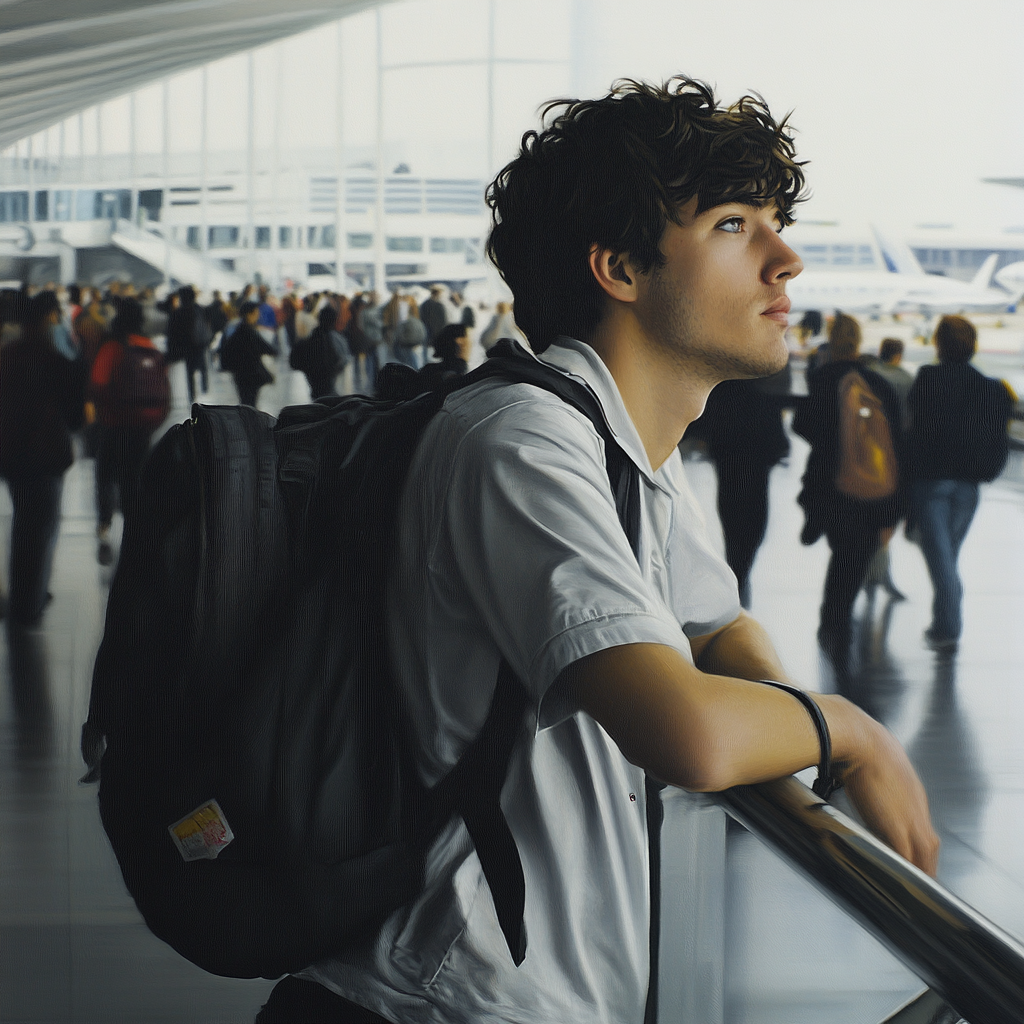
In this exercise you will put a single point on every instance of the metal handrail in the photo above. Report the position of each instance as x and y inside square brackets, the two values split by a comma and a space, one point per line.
[973, 964]
[926, 1008]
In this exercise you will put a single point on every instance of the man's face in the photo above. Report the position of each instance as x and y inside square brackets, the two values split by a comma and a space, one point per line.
[719, 303]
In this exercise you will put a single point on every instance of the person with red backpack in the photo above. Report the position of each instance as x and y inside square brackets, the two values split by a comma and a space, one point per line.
[128, 385]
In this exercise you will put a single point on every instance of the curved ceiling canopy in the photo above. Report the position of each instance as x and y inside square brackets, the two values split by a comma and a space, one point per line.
[61, 56]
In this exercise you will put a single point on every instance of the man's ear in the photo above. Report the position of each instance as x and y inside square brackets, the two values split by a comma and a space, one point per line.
[614, 273]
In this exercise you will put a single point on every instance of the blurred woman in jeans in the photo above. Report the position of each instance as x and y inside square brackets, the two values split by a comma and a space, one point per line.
[957, 438]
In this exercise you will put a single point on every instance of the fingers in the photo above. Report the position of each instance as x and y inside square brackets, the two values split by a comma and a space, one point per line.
[920, 847]
[892, 801]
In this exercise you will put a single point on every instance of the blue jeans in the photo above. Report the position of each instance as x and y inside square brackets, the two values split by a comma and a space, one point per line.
[944, 510]
[34, 528]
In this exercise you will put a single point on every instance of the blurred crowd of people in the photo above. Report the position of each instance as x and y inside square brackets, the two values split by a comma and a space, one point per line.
[886, 447]
[89, 359]
[93, 362]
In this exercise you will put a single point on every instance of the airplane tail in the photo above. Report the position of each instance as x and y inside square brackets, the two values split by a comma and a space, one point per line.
[1011, 278]
[984, 275]
[898, 257]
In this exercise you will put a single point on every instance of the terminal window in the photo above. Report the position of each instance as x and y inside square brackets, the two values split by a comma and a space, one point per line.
[284, 238]
[328, 236]
[13, 207]
[405, 243]
[223, 237]
[448, 245]
[263, 238]
[360, 241]
[85, 204]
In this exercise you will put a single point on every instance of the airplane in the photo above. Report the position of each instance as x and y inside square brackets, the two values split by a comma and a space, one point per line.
[904, 287]
[1011, 277]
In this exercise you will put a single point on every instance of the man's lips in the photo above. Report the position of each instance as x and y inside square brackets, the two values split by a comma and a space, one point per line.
[778, 310]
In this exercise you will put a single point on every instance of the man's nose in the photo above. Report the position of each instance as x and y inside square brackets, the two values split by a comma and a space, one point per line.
[782, 264]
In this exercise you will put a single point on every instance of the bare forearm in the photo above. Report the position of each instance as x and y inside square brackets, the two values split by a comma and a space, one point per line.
[707, 732]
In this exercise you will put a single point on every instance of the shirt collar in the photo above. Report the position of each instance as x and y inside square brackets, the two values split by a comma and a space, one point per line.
[579, 360]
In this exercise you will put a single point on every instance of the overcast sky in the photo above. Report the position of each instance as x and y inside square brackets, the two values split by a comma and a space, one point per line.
[901, 106]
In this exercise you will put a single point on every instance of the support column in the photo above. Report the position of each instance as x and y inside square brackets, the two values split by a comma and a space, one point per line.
[166, 171]
[339, 165]
[275, 183]
[491, 159]
[133, 161]
[378, 227]
[68, 263]
[250, 162]
[99, 143]
[204, 228]
[31, 212]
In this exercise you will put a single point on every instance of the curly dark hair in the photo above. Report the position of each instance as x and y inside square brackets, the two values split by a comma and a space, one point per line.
[613, 172]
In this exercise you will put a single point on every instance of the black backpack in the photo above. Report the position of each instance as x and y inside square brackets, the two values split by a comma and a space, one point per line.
[987, 441]
[256, 783]
[959, 423]
[202, 332]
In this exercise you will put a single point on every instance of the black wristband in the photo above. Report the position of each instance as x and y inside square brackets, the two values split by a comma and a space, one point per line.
[827, 782]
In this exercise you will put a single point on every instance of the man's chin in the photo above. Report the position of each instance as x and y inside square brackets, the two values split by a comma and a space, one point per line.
[767, 365]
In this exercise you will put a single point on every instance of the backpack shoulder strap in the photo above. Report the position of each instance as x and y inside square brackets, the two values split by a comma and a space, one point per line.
[473, 787]
[513, 364]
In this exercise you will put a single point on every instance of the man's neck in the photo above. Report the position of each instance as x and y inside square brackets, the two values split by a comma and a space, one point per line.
[662, 395]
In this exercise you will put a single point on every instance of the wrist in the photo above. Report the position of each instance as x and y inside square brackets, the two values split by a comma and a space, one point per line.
[854, 733]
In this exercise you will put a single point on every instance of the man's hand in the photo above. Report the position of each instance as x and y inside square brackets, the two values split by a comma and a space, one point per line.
[885, 789]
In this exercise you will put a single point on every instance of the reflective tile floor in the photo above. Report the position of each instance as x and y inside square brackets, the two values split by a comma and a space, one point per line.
[73, 949]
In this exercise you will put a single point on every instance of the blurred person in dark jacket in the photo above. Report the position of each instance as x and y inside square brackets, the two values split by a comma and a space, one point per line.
[41, 402]
[742, 427]
[433, 313]
[188, 337]
[452, 347]
[322, 355]
[957, 439]
[241, 355]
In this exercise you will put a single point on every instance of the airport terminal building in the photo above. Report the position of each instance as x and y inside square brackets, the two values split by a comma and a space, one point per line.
[223, 143]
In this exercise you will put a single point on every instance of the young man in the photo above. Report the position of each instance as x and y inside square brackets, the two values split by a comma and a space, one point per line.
[639, 235]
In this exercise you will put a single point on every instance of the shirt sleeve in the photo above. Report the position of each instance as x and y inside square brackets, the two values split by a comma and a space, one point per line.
[532, 531]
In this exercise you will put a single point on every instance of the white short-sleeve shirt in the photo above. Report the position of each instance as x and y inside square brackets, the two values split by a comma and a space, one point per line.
[509, 547]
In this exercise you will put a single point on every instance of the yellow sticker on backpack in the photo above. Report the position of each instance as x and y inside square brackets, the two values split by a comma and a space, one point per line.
[203, 833]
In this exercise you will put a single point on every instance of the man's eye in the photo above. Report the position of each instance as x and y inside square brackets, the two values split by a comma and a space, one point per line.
[733, 224]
